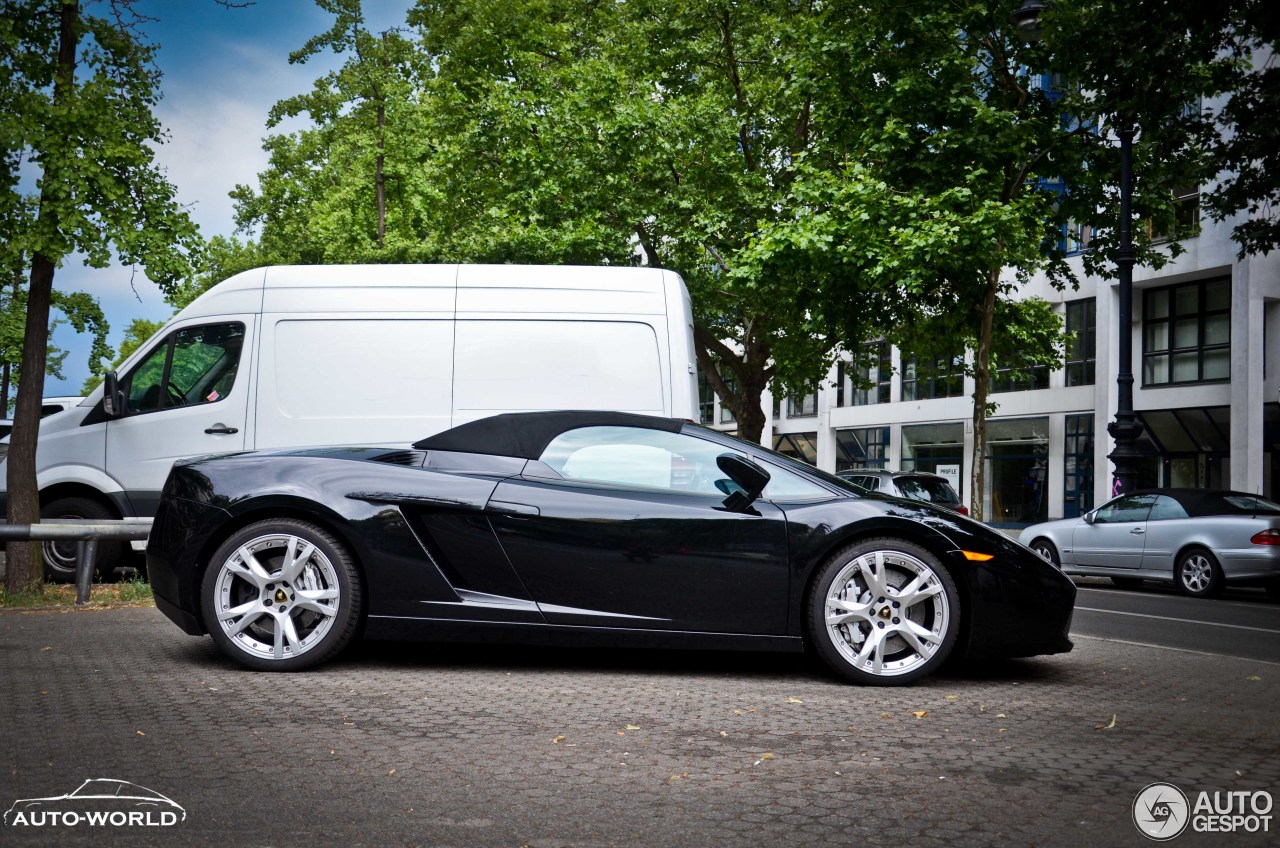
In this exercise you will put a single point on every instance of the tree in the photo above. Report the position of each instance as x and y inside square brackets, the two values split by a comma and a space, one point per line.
[83, 89]
[961, 163]
[135, 336]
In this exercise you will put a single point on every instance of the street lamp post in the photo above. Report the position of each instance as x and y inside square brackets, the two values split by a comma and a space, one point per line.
[1127, 427]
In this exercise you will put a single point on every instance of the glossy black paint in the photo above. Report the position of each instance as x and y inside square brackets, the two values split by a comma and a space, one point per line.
[480, 547]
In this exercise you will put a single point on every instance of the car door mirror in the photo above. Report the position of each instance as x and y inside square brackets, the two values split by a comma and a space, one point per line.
[112, 397]
[748, 475]
[1090, 516]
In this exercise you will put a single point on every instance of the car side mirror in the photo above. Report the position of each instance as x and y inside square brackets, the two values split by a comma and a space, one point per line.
[112, 397]
[748, 475]
[1089, 517]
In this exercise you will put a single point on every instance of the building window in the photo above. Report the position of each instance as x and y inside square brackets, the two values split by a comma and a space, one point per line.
[1186, 334]
[940, 378]
[706, 402]
[1077, 455]
[1033, 377]
[865, 382]
[726, 414]
[801, 446]
[1186, 215]
[1017, 471]
[1082, 348]
[804, 407]
[936, 448]
[863, 448]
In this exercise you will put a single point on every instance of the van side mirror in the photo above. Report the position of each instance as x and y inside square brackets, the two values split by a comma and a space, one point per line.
[750, 477]
[112, 397]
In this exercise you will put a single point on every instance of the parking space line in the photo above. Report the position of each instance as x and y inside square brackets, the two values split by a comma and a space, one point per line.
[1179, 620]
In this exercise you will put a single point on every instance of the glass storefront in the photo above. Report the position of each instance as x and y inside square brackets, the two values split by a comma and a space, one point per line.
[936, 448]
[801, 446]
[861, 448]
[1185, 448]
[1077, 455]
[1017, 471]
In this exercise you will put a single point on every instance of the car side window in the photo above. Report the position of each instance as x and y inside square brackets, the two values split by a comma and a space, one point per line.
[655, 459]
[1166, 508]
[195, 365]
[1125, 509]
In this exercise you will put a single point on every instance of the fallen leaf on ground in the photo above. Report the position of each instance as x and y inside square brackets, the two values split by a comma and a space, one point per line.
[920, 713]
[885, 715]
[632, 727]
[46, 648]
[766, 756]
[794, 701]
[393, 771]
[557, 740]
[1106, 726]
[952, 697]
[140, 733]
[1253, 678]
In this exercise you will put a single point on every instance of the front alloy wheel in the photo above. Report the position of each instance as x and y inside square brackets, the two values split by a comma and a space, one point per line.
[884, 612]
[281, 596]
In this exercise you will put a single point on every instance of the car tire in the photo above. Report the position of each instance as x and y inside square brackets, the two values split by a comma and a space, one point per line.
[60, 557]
[867, 629]
[281, 595]
[1127, 582]
[1198, 574]
[1046, 551]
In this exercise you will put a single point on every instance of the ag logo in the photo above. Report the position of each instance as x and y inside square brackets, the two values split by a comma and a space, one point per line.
[1161, 811]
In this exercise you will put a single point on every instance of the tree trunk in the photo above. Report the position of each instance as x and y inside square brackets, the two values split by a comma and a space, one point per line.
[981, 391]
[25, 569]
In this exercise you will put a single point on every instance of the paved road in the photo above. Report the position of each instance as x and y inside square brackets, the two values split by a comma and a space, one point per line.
[500, 746]
[1244, 623]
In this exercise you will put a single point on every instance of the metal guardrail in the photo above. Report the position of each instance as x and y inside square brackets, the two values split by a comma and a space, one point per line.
[86, 533]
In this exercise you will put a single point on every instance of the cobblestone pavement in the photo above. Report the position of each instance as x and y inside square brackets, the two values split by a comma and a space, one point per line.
[499, 746]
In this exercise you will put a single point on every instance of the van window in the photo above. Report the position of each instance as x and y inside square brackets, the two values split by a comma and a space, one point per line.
[504, 365]
[195, 365]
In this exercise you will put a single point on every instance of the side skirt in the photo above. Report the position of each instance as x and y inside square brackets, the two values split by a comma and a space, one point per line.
[452, 630]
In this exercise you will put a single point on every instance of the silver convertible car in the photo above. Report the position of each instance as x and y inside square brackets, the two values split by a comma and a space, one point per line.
[1199, 539]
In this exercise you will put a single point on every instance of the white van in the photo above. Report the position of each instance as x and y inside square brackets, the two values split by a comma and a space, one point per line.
[300, 356]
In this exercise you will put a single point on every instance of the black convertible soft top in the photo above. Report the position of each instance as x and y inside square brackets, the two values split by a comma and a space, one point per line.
[527, 434]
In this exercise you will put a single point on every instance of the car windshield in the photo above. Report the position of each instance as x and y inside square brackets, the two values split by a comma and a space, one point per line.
[927, 489]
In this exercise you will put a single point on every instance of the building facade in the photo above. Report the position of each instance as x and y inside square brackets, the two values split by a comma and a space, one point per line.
[1206, 365]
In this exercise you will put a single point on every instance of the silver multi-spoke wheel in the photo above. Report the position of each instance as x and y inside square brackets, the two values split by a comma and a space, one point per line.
[888, 612]
[1199, 574]
[279, 595]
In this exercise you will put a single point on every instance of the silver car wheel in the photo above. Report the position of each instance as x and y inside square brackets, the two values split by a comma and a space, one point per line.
[276, 596]
[887, 613]
[1197, 573]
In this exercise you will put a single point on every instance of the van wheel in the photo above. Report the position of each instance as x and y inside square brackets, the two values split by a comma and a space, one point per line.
[60, 557]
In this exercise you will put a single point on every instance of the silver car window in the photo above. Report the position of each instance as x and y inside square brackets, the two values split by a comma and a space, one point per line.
[1165, 509]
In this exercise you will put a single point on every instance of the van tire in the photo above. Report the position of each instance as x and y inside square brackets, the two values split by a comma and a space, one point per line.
[60, 557]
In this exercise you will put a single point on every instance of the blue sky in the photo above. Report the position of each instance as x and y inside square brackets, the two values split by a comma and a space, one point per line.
[223, 70]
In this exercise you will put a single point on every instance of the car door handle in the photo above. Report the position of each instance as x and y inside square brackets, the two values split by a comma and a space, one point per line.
[516, 510]
[221, 429]
[1138, 531]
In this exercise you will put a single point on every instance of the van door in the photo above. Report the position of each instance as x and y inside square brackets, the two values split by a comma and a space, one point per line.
[187, 397]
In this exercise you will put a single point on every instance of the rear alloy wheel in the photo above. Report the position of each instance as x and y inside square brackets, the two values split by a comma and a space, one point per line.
[281, 595]
[60, 557]
[1198, 574]
[884, 612]
[1047, 551]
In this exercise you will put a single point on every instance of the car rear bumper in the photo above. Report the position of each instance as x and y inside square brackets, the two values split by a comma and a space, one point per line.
[1255, 563]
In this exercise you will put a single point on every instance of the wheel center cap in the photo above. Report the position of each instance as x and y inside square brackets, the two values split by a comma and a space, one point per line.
[886, 613]
[281, 597]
